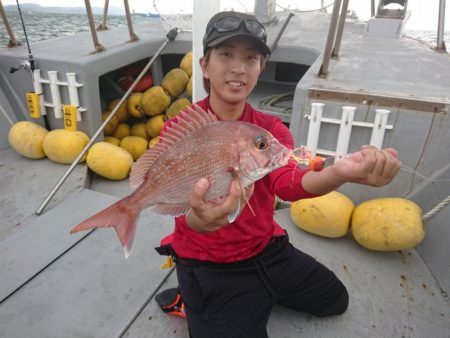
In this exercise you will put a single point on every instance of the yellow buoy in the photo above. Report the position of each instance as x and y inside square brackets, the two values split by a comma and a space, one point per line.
[110, 161]
[63, 146]
[175, 81]
[327, 216]
[27, 138]
[388, 224]
[135, 145]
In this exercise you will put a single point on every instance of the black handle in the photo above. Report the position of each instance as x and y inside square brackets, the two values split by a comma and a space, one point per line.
[172, 34]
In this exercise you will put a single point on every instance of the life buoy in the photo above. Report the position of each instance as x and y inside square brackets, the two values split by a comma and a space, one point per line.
[145, 83]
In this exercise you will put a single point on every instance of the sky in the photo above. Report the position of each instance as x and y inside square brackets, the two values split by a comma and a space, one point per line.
[424, 13]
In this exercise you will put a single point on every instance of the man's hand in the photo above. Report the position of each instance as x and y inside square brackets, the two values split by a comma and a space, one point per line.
[206, 216]
[370, 166]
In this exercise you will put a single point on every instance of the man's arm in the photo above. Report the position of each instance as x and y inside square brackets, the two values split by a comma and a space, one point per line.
[370, 166]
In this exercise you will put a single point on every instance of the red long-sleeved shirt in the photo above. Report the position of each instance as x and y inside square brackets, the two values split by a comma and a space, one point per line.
[248, 234]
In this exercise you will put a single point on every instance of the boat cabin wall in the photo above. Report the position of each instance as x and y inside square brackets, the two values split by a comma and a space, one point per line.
[109, 83]
[422, 141]
[97, 77]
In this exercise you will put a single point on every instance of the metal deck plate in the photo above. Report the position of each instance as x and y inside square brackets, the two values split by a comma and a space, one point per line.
[91, 290]
[24, 184]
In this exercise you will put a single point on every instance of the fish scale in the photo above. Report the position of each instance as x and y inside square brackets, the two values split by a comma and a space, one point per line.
[194, 145]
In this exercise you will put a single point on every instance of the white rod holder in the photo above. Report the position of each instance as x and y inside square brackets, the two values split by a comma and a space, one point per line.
[379, 127]
[73, 92]
[345, 130]
[37, 85]
[54, 89]
[314, 127]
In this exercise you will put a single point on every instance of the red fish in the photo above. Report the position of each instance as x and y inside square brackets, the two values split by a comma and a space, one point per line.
[194, 145]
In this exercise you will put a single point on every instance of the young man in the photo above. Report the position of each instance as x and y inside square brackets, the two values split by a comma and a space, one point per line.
[232, 274]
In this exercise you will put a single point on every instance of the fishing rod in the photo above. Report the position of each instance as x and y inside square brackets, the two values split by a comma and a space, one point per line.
[30, 55]
[31, 65]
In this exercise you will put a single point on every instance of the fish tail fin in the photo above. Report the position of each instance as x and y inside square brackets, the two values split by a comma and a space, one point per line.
[121, 217]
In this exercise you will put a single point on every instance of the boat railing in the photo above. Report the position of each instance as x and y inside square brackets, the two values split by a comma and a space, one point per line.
[12, 39]
[441, 25]
[333, 37]
[97, 45]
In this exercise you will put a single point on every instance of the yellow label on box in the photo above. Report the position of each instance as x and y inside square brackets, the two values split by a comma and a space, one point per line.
[33, 105]
[70, 117]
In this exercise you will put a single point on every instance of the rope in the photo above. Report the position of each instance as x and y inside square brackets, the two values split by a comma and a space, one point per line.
[183, 22]
[303, 158]
[270, 102]
[433, 212]
[425, 218]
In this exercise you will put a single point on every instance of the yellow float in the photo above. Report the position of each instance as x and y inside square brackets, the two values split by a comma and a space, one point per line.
[110, 161]
[63, 146]
[27, 138]
[327, 216]
[388, 224]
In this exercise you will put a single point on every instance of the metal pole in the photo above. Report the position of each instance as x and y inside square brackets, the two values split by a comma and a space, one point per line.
[170, 37]
[275, 43]
[102, 26]
[12, 39]
[331, 34]
[372, 8]
[441, 26]
[97, 45]
[133, 37]
[340, 30]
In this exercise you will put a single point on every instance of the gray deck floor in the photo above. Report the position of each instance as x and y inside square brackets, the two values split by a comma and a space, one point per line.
[391, 295]
[54, 284]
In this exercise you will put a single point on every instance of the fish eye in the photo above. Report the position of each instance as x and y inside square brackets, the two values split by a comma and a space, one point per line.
[261, 143]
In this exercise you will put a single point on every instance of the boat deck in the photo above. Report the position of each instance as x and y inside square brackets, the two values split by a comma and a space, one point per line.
[54, 284]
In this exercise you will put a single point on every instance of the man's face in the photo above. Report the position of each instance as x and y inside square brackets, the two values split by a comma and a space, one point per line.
[233, 69]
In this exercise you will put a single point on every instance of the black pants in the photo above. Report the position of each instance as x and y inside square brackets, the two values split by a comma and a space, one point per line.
[235, 300]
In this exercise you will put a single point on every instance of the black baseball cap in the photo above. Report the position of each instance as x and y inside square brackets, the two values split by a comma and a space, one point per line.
[225, 25]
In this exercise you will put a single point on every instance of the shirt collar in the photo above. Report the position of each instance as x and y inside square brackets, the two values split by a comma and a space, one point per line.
[245, 114]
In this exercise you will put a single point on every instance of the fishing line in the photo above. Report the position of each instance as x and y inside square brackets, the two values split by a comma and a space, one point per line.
[304, 158]
[30, 55]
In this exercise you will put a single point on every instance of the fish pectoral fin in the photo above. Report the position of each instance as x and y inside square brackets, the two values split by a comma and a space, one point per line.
[232, 217]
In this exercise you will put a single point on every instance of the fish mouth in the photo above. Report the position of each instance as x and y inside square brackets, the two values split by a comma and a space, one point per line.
[282, 159]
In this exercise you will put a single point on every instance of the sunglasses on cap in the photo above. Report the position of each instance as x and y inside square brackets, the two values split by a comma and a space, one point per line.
[231, 24]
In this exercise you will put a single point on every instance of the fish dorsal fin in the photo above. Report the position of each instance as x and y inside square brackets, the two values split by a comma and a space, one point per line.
[176, 129]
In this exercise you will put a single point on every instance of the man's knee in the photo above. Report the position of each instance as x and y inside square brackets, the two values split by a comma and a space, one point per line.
[337, 308]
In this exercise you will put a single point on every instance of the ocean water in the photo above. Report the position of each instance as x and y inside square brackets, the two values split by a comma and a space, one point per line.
[43, 26]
